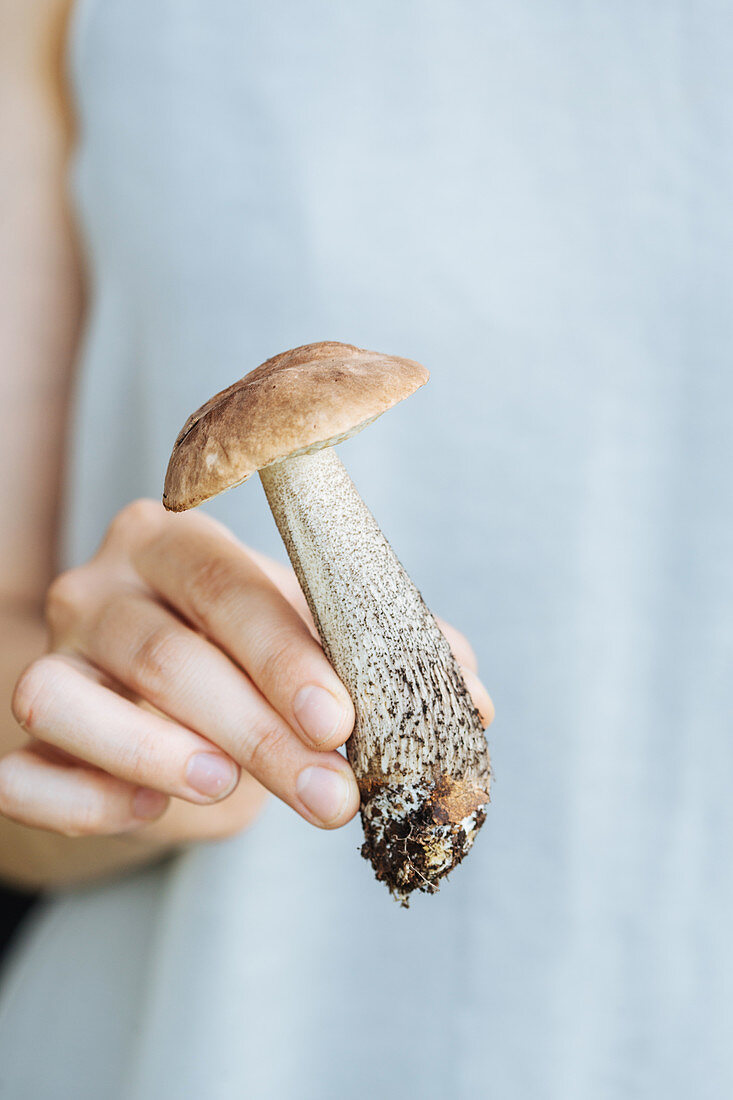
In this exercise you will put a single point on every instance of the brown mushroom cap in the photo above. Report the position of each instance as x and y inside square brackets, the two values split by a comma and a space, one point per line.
[297, 402]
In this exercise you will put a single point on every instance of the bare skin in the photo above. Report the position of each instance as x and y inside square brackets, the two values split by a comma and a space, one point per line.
[175, 642]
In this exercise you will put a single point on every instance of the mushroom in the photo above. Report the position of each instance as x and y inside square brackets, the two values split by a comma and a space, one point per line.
[418, 748]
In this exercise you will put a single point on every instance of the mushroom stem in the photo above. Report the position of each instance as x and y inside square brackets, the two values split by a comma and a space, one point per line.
[418, 748]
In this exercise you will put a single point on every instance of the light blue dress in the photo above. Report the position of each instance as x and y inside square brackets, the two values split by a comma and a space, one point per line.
[534, 200]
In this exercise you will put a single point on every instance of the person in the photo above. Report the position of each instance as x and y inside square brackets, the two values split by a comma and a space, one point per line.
[531, 201]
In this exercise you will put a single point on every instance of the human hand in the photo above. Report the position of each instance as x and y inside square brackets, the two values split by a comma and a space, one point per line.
[184, 680]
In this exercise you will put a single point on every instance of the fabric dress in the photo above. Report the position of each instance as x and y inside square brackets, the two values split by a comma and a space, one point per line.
[534, 200]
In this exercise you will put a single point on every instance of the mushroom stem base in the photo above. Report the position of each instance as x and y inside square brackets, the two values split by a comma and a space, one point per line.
[416, 833]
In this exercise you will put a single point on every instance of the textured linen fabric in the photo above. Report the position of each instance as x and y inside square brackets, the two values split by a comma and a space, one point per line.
[532, 199]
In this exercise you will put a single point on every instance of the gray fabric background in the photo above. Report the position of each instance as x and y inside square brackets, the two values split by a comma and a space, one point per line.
[535, 200]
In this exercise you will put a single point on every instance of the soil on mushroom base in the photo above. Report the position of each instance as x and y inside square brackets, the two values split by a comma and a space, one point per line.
[419, 846]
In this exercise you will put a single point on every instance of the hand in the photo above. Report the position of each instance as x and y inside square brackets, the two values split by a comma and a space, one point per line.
[184, 681]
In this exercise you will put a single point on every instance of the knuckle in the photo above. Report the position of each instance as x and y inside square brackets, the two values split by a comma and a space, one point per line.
[281, 657]
[157, 659]
[142, 513]
[141, 516]
[210, 585]
[64, 598]
[262, 747]
[89, 818]
[138, 761]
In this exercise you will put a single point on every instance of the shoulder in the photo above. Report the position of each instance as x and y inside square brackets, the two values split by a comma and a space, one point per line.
[32, 42]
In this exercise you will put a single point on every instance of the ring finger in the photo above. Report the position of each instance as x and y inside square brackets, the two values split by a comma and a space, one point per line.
[48, 793]
[59, 703]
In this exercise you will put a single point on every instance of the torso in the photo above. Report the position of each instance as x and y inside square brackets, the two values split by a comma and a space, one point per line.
[509, 195]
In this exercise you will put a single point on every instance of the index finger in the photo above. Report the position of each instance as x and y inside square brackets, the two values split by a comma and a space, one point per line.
[217, 587]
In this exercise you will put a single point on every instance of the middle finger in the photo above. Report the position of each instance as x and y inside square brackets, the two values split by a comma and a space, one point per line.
[149, 650]
[215, 585]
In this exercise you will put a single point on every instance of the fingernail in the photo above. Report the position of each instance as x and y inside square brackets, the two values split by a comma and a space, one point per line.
[148, 804]
[210, 774]
[324, 792]
[319, 713]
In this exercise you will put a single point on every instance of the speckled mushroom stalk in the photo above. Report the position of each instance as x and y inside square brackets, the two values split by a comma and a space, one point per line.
[418, 748]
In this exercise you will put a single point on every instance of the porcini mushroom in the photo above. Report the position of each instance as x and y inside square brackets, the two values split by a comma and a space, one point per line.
[418, 748]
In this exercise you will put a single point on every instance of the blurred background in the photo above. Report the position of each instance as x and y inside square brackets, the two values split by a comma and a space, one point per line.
[535, 201]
